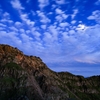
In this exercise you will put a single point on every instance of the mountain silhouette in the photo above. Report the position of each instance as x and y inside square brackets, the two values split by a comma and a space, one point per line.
[24, 77]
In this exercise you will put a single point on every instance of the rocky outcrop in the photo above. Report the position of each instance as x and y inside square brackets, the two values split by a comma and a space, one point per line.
[27, 74]
[83, 88]
[25, 77]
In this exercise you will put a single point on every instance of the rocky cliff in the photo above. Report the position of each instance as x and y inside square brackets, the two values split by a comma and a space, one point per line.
[25, 77]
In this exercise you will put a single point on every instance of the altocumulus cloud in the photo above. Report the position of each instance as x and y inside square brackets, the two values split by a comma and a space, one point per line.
[56, 35]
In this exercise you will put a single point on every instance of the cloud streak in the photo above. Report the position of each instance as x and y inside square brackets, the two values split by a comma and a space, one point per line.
[17, 5]
[43, 3]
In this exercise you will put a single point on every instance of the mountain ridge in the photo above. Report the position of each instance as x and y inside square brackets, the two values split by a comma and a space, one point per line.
[28, 78]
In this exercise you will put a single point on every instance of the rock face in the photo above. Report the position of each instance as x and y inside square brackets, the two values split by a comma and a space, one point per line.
[25, 77]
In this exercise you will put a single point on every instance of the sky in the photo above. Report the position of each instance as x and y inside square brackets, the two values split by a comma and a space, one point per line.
[65, 34]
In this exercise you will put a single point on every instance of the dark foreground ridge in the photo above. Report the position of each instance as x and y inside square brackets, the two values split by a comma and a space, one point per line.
[25, 77]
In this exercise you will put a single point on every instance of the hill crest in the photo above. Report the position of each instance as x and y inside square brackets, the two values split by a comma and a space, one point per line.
[24, 77]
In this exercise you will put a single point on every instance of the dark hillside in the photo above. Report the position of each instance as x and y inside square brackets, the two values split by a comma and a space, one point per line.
[25, 77]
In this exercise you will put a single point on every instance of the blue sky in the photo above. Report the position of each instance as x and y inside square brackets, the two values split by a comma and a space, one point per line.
[64, 33]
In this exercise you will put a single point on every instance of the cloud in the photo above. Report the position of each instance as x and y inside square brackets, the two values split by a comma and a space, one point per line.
[64, 16]
[28, 1]
[73, 21]
[59, 18]
[37, 35]
[91, 18]
[28, 31]
[15, 34]
[17, 5]
[43, 27]
[2, 25]
[24, 17]
[72, 32]
[95, 16]
[6, 15]
[25, 38]
[9, 38]
[47, 36]
[5, 19]
[89, 45]
[90, 58]
[60, 2]
[54, 6]
[22, 30]
[18, 24]
[75, 11]
[52, 29]
[22, 38]
[12, 28]
[58, 11]
[81, 27]
[61, 41]
[64, 24]
[50, 36]
[43, 3]
[43, 18]
[98, 2]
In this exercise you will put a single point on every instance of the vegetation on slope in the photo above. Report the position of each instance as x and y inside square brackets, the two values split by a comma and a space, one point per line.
[25, 77]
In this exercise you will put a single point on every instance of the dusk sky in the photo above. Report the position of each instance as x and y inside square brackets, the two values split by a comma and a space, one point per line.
[65, 34]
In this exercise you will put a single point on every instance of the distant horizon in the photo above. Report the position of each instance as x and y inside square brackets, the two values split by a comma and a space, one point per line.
[65, 34]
